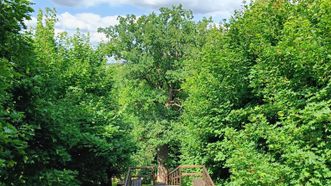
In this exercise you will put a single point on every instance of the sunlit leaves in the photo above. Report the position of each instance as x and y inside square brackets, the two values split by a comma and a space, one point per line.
[278, 117]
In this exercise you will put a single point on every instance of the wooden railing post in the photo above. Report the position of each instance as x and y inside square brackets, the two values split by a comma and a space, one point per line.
[130, 174]
[207, 178]
[128, 178]
[175, 176]
[179, 176]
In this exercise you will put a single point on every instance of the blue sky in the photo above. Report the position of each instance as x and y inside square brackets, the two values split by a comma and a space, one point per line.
[100, 9]
[88, 15]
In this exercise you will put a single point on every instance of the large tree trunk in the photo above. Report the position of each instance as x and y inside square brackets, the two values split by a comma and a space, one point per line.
[162, 172]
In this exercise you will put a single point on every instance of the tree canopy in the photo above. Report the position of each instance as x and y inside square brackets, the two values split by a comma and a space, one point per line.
[59, 121]
[249, 97]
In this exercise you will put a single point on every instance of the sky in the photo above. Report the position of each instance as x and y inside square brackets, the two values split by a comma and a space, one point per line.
[89, 15]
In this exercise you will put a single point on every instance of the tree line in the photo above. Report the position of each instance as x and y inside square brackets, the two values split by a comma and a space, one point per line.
[249, 97]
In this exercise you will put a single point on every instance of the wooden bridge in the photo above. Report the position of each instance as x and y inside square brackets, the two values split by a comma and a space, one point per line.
[197, 174]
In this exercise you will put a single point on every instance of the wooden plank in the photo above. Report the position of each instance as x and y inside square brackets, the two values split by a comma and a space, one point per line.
[190, 166]
[207, 176]
[192, 174]
[171, 172]
[143, 167]
[198, 182]
[136, 182]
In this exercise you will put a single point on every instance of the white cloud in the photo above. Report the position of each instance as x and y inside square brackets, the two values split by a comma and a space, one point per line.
[85, 22]
[31, 23]
[90, 22]
[198, 6]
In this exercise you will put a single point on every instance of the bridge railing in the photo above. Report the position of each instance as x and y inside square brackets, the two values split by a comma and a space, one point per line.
[176, 175]
[134, 172]
[128, 178]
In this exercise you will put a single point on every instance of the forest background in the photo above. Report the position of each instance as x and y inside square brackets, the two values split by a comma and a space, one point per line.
[248, 97]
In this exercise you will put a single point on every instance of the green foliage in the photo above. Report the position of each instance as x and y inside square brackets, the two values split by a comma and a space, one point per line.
[12, 16]
[249, 98]
[152, 49]
[54, 177]
[258, 110]
[12, 135]
[59, 122]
